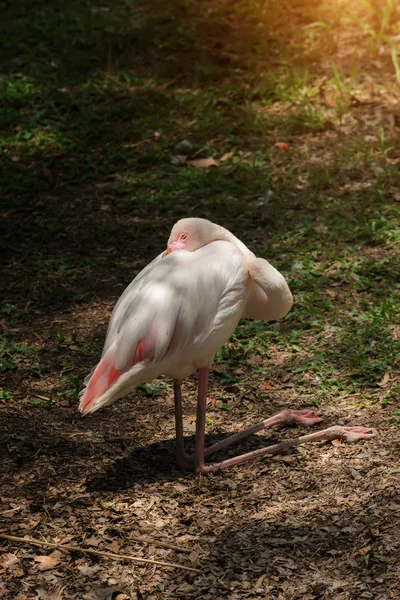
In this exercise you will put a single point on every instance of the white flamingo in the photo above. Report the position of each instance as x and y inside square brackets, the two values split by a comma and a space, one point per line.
[175, 315]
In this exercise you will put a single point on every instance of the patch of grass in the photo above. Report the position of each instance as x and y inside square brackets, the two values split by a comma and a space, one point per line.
[11, 353]
[5, 394]
[89, 193]
[72, 385]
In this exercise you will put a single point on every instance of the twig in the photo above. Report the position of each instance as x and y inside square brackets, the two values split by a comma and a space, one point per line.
[34, 542]
[149, 540]
[203, 148]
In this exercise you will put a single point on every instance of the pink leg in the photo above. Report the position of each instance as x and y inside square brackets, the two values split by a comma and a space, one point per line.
[347, 434]
[286, 417]
[198, 457]
[304, 417]
[183, 460]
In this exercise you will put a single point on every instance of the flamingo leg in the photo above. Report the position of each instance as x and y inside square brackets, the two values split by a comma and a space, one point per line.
[286, 417]
[198, 457]
[347, 434]
[303, 417]
[183, 460]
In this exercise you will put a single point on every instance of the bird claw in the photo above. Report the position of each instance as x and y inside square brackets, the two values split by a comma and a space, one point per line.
[353, 434]
[305, 417]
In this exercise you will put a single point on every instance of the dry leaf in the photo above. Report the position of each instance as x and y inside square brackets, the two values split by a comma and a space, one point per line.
[93, 541]
[259, 515]
[114, 547]
[385, 380]
[9, 560]
[226, 156]
[259, 582]
[105, 593]
[282, 146]
[266, 386]
[336, 442]
[287, 459]
[45, 595]
[179, 160]
[202, 163]
[48, 562]
[365, 550]
[88, 571]
[331, 293]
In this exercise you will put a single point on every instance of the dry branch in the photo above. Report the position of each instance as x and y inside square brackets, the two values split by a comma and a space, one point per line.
[34, 542]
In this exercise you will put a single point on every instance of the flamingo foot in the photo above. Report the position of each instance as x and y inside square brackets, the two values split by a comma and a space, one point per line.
[285, 417]
[354, 434]
[290, 417]
[346, 434]
[304, 417]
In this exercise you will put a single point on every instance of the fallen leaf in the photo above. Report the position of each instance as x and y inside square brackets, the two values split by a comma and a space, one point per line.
[93, 541]
[336, 442]
[114, 547]
[226, 156]
[105, 593]
[287, 459]
[45, 595]
[202, 163]
[179, 160]
[259, 582]
[282, 146]
[88, 571]
[385, 380]
[179, 487]
[355, 474]
[48, 562]
[9, 560]
[365, 550]
[262, 514]
[266, 386]
[331, 293]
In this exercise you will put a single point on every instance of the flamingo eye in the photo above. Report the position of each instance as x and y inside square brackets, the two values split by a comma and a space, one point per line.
[183, 236]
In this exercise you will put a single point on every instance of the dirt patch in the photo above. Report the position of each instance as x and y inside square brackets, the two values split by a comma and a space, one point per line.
[317, 523]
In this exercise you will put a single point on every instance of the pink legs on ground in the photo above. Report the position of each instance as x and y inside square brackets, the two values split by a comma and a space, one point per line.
[183, 460]
[301, 417]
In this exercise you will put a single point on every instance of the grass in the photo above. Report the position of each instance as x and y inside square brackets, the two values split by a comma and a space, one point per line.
[89, 193]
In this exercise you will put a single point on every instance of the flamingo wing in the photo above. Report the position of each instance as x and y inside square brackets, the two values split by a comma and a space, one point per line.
[174, 315]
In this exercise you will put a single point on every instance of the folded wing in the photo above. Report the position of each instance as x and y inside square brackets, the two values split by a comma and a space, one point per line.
[178, 308]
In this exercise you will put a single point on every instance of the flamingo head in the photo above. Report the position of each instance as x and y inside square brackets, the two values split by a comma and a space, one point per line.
[192, 234]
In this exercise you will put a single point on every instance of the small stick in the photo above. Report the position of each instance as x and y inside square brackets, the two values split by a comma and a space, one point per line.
[149, 540]
[14, 538]
[203, 148]
[41, 397]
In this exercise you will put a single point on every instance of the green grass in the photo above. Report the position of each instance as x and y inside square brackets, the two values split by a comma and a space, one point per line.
[89, 196]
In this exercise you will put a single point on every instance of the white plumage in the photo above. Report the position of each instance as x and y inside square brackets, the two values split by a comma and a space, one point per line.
[175, 315]
[181, 308]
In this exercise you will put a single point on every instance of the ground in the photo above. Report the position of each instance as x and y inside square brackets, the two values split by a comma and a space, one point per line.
[102, 108]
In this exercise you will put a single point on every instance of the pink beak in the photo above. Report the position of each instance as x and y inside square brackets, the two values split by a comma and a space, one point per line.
[178, 245]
